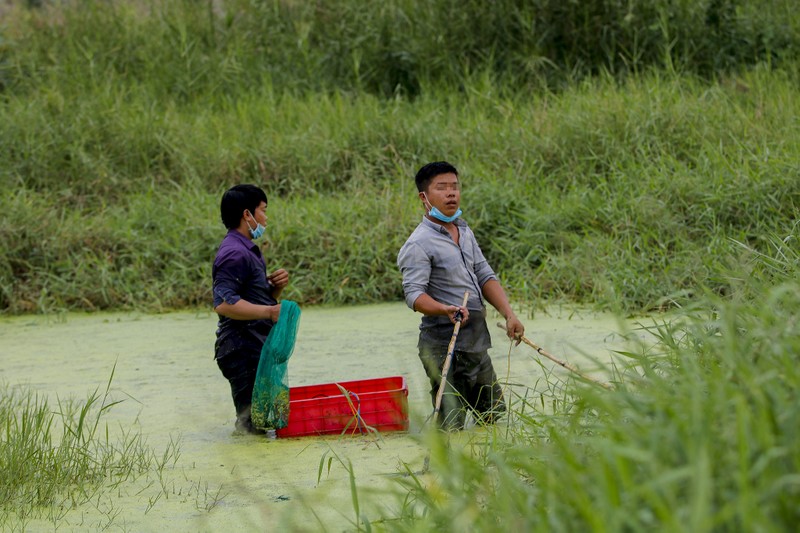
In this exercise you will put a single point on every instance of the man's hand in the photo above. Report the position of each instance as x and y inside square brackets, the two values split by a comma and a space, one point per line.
[453, 310]
[279, 279]
[514, 328]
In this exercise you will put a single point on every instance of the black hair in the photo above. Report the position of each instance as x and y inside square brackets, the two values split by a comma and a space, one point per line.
[426, 174]
[236, 200]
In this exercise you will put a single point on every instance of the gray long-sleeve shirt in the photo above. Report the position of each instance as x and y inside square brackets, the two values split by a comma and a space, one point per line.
[432, 263]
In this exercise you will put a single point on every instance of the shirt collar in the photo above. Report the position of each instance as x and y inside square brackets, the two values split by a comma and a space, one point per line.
[438, 227]
[249, 243]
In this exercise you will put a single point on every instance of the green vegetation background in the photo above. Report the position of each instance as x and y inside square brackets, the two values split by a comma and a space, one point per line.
[610, 151]
[631, 155]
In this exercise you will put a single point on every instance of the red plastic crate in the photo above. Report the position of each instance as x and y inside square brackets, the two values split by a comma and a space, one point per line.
[322, 409]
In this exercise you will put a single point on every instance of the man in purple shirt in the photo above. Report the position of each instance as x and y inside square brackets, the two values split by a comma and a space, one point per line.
[440, 261]
[245, 297]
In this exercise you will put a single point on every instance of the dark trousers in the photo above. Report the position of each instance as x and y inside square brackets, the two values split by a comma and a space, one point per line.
[471, 386]
[238, 362]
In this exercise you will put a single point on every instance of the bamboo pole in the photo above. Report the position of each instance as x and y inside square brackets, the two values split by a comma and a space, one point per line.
[558, 361]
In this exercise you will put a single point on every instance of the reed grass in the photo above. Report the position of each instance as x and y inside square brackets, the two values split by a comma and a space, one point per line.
[631, 155]
[698, 435]
[185, 49]
[618, 195]
[607, 151]
[55, 459]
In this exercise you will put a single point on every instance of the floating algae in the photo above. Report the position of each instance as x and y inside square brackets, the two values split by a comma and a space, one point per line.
[171, 391]
[270, 408]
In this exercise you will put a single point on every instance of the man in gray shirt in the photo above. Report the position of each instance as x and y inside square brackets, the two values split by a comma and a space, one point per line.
[440, 261]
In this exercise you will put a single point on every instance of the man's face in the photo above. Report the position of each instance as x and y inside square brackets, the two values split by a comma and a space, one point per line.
[444, 193]
[260, 215]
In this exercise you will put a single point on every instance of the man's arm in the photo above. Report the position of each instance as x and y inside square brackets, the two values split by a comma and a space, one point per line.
[428, 306]
[244, 310]
[495, 295]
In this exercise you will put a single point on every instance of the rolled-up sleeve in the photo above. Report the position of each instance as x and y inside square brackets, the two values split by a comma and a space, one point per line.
[415, 266]
[482, 269]
[228, 280]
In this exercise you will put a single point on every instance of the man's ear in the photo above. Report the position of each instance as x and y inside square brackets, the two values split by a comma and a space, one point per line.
[425, 202]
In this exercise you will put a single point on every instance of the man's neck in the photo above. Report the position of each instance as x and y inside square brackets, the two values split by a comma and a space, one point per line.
[447, 225]
[244, 230]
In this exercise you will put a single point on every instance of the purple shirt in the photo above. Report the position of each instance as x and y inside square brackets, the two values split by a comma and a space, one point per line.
[239, 273]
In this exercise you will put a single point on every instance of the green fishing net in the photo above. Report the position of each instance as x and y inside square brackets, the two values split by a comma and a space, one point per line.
[270, 407]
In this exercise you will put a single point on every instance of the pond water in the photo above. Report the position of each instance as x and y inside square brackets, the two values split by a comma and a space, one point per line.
[171, 391]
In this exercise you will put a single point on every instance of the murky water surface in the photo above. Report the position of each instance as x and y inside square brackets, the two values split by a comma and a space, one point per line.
[172, 391]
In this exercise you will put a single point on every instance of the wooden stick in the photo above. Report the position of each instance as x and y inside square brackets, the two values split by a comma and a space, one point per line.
[445, 369]
[553, 358]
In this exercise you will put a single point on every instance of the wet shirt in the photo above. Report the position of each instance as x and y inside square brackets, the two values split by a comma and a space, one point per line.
[239, 272]
[433, 264]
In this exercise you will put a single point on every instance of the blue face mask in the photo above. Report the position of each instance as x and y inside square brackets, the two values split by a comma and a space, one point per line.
[438, 215]
[258, 232]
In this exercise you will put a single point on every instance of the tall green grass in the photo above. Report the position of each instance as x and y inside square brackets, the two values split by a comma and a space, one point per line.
[608, 150]
[700, 433]
[186, 49]
[623, 195]
[634, 155]
[56, 458]
[109, 111]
